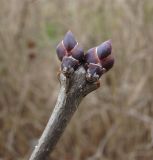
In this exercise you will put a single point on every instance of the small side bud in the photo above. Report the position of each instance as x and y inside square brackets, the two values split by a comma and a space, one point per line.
[104, 49]
[94, 72]
[69, 65]
[69, 41]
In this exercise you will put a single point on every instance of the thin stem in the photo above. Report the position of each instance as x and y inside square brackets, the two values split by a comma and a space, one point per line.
[71, 93]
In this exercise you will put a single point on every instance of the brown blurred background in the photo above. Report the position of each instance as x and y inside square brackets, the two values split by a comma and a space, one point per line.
[113, 123]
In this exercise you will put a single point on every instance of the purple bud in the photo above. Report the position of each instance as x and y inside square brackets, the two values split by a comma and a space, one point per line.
[104, 49]
[77, 53]
[61, 51]
[108, 62]
[69, 41]
[91, 56]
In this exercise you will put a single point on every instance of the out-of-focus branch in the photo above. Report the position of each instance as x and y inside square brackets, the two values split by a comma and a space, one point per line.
[72, 91]
[100, 150]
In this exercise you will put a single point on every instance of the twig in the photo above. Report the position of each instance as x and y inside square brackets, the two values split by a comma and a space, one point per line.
[71, 93]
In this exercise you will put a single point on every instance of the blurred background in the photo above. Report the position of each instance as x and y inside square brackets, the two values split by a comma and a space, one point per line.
[113, 123]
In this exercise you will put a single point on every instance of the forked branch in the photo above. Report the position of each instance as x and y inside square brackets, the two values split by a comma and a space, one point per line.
[70, 95]
[76, 82]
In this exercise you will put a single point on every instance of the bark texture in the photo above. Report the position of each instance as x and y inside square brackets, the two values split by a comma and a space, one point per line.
[72, 91]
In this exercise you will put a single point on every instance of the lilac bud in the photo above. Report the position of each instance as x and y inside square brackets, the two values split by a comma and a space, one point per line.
[61, 51]
[69, 65]
[77, 53]
[70, 53]
[69, 41]
[94, 72]
[91, 56]
[104, 49]
[108, 62]
[99, 61]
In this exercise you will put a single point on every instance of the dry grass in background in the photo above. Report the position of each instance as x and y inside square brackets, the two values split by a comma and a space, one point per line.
[113, 123]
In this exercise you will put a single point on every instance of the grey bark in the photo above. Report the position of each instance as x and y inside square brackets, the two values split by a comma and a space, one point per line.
[72, 91]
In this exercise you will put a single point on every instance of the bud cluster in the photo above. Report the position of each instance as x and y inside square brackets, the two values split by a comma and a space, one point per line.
[97, 60]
